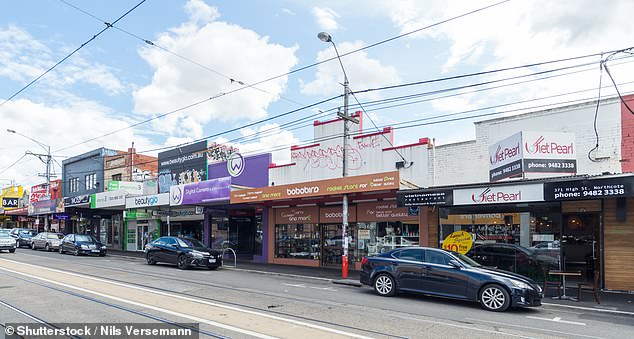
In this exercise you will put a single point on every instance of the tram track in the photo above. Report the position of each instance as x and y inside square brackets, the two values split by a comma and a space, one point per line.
[30, 316]
[104, 303]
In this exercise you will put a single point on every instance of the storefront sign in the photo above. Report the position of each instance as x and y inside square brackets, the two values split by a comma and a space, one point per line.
[383, 211]
[363, 234]
[251, 171]
[361, 183]
[43, 207]
[334, 215]
[128, 186]
[532, 152]
[148, 200]
[38, 192]
[296, 215]
[77, 201]
[25, 219]
[182, 165]
[459, 241]
[108, 199]
[179, 213]
[498, 194]
[589, 189]
[424, 198]
[207, 191]
[61, 216]
[10, 202]
[17, 211]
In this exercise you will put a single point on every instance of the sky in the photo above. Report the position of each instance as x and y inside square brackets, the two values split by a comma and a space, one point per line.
[253, 74]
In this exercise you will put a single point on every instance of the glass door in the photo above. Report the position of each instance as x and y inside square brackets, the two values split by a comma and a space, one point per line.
[332, 241]
[141, 236]
[580, 243]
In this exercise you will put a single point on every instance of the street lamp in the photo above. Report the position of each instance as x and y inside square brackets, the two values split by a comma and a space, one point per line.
[325, 37]
[47, 162]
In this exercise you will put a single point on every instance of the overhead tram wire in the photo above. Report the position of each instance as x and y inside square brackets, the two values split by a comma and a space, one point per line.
[153, 44]
[108, 25]
[290, 72]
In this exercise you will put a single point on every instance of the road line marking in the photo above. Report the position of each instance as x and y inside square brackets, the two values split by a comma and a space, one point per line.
[530, 327]
[155, 308]
[322, 288]
[589, 309]
[557, 320]
[172, 295]
[294, 285]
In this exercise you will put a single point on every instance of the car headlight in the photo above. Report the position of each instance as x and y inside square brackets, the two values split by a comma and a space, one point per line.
[198, 254]
[84, 247]
[103, 247]
[521, 284]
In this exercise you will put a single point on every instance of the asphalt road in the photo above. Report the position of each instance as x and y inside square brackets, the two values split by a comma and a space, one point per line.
[55, 288]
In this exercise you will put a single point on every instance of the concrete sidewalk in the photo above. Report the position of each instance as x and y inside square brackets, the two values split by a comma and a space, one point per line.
[611, 302]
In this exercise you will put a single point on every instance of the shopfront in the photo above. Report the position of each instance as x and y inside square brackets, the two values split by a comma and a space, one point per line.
[577, 225]
[141, 225]
[310, 232]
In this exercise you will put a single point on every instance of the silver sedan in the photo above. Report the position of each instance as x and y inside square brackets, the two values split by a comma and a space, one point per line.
[47, 240]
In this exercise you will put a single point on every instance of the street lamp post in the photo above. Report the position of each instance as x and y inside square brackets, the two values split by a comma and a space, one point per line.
[47, 148]
[325, 37]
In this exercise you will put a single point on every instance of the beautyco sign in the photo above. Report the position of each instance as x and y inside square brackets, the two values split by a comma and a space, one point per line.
[532, 152]
[361, 183]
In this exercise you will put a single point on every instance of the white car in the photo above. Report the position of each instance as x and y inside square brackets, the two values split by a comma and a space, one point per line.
[7, 242]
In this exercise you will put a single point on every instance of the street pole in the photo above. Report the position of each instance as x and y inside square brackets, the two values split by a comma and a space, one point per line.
[325, 37]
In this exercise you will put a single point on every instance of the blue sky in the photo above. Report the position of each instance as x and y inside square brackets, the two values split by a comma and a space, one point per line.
[117, 80]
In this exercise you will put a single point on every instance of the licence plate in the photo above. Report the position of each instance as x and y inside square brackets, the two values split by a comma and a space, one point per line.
[95, 251]
[212, 260]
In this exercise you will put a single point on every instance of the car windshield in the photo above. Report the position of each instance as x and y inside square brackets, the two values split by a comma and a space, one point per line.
[5, 235]
[189, 243]
[85, 238]
[55, 236]
[27, 233]
[466, 260]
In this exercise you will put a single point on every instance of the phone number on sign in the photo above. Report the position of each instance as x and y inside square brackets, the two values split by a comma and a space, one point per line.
[561, 165]
[595, 193]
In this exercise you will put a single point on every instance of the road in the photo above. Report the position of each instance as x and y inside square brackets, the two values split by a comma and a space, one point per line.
[38, 286]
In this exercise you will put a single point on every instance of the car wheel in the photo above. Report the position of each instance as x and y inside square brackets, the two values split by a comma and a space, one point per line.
[150, 259]
[495, 298]
[12, 250]
[385, 285]
[61, 250]
[47, 248]
[182, 262]
[32, 245]
[76, 252]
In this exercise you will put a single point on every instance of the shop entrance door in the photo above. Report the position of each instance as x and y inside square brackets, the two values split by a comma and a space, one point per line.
[332, 245]
[242, 234]
[580, 244]
[141, 236]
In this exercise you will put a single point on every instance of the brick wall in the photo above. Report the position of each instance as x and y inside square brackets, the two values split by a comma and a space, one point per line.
[627, 130]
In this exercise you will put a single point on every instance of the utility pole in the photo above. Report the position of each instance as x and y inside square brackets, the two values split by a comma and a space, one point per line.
[325, 37]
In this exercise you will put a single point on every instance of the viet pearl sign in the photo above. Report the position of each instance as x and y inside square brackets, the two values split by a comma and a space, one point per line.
[544, 153]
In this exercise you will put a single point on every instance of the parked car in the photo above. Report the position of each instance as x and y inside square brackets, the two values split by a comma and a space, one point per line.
[46, 240]
[184, 252]
[7, 242]
[447, 274]
[82, 244]
[23, 236]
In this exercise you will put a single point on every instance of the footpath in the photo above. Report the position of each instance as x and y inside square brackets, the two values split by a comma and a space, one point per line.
[611, 302]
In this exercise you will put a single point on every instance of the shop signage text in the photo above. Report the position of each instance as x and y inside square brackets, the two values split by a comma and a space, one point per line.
[589, 189]
[182, 165]
[431, 198]
[147, 200]
[213, 190]
[498, 194]
[128, 186]
[334, 214]
[10, 202]
[383, 211]
[78, 200]
[532, 152]
[296, 215]
[361, 183]
[108, 199]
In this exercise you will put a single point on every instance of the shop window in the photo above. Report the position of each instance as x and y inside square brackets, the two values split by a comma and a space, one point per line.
[300, 241]
[379, 237]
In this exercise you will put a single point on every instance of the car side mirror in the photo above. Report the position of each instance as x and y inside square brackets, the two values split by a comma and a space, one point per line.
[454, 264]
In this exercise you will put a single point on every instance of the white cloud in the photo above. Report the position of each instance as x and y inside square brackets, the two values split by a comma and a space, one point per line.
[363, 72]
[288, 11]
[326, 18]
[200, 12]
[228, 51]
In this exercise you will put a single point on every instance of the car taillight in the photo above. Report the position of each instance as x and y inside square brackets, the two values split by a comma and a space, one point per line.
[364, 261]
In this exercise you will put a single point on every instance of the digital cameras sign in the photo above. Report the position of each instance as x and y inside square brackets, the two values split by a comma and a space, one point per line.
[182, 165]
[533, 152]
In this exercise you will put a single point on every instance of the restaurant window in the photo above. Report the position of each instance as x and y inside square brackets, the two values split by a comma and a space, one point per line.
[90, 181]
[522, 242]
[73, 184]
[379, 237]
[297, 241]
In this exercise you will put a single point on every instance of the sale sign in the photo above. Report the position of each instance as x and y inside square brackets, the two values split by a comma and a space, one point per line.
[459, 241]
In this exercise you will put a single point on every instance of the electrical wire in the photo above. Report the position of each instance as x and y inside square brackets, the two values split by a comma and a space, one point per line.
[108, 25]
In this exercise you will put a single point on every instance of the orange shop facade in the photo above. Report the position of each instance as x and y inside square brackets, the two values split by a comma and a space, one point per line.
[304, 220]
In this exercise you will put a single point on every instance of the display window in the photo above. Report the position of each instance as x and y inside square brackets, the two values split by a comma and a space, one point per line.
[297, 241]
[379, 237]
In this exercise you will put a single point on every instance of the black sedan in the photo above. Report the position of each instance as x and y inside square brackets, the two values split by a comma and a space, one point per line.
[184, 252]
[23, 236]
[79, 244]
[447, 274]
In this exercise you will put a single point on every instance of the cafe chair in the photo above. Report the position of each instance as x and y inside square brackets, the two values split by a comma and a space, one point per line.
[594, 287]
[551, 284]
